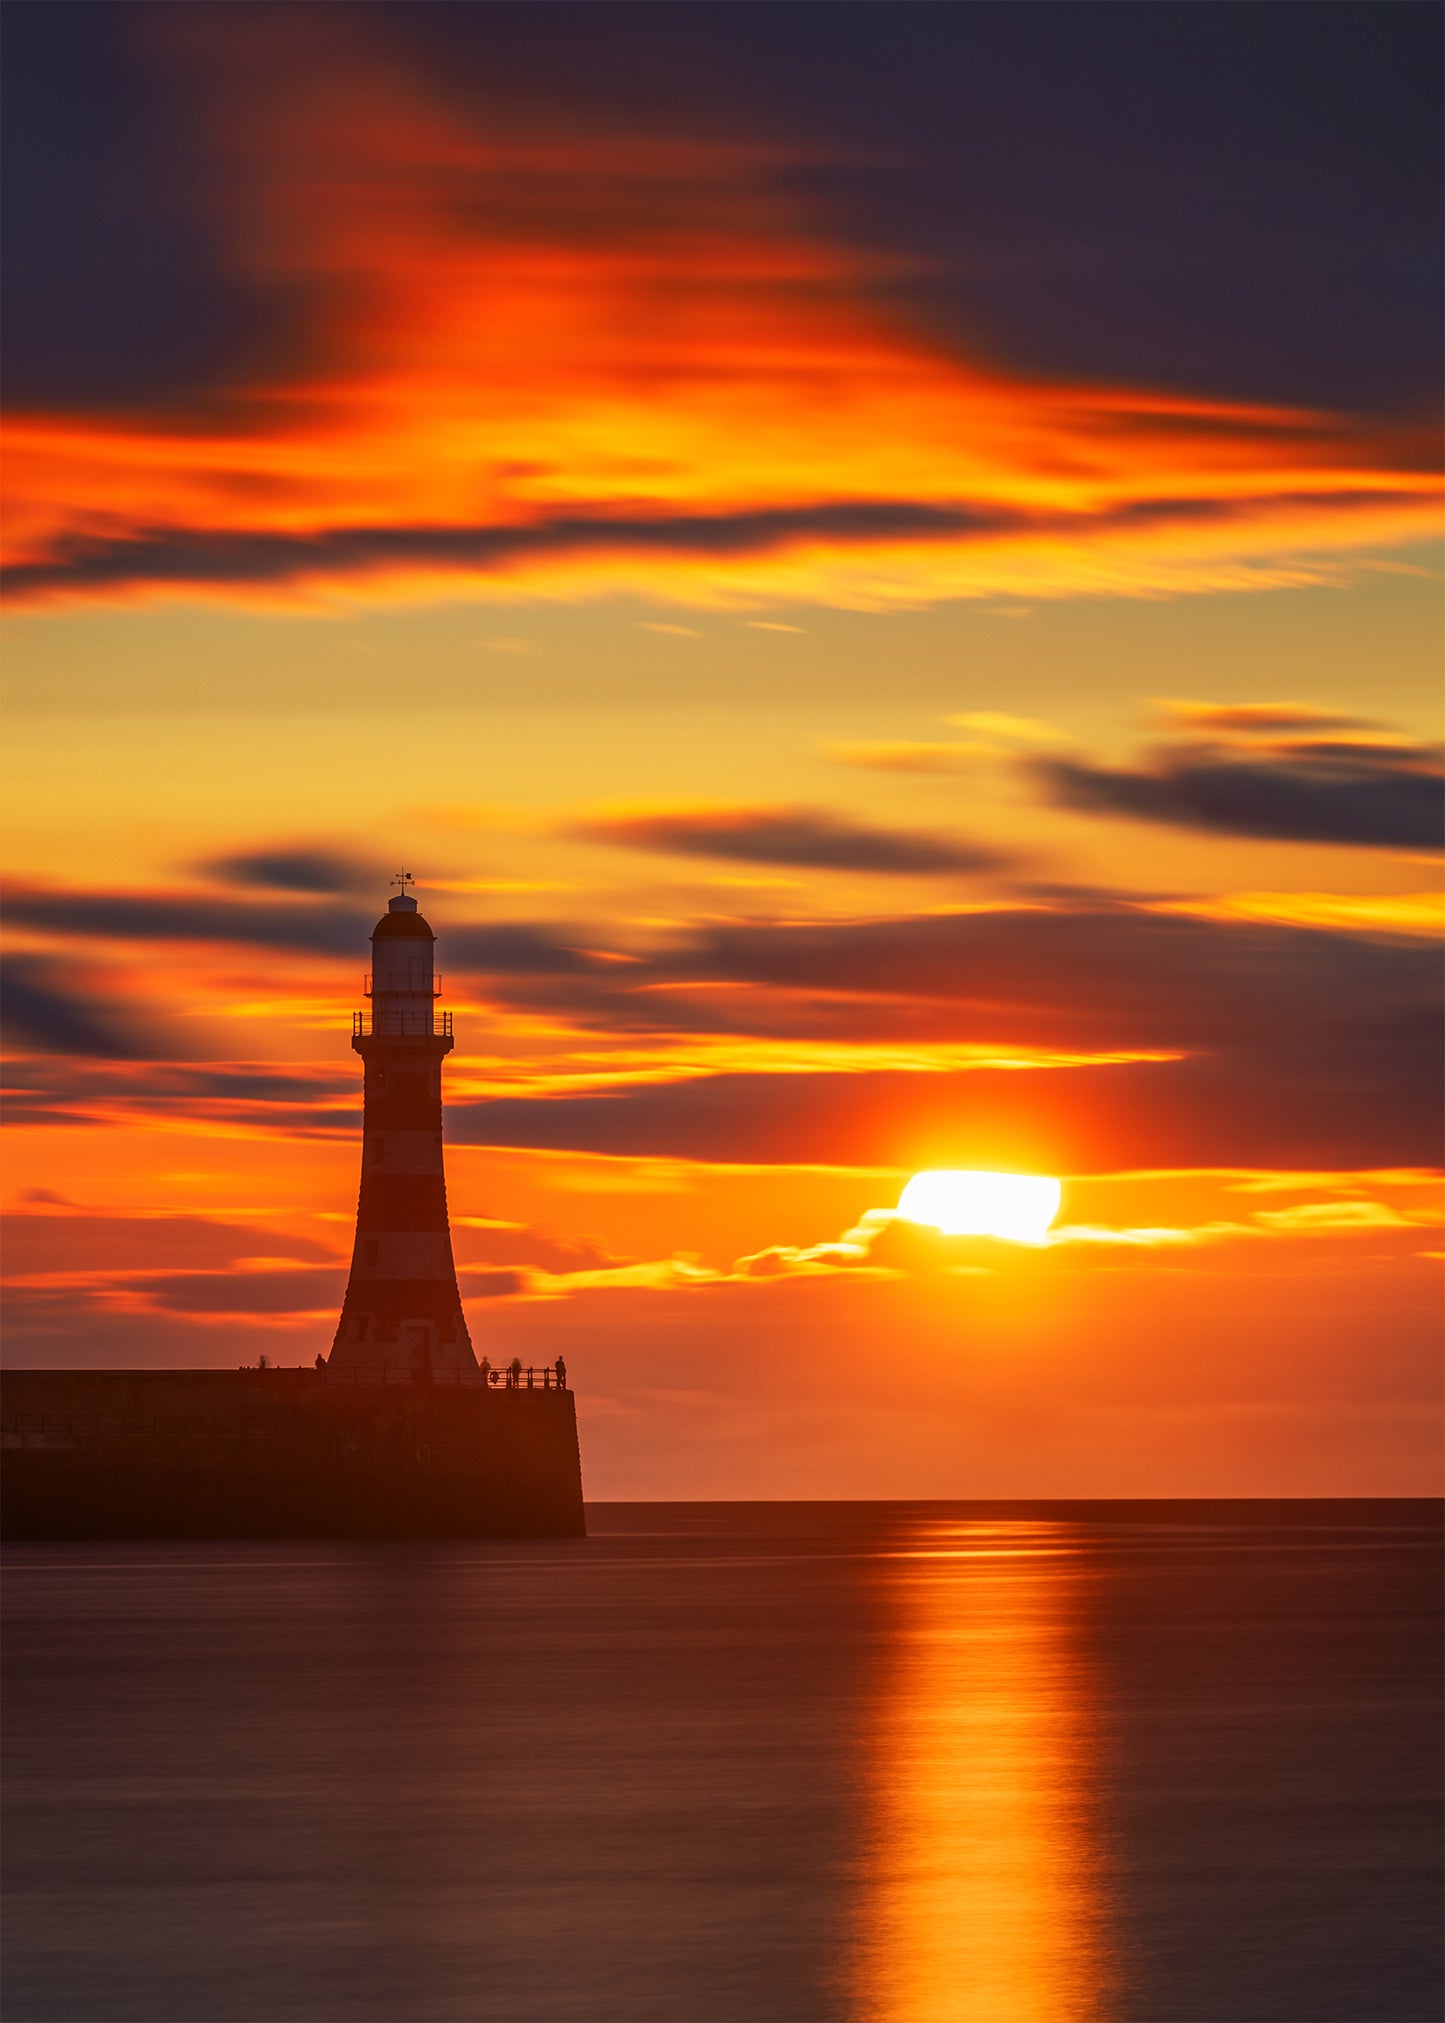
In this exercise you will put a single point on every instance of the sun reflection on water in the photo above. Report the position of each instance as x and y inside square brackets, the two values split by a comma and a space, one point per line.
[983, 1898]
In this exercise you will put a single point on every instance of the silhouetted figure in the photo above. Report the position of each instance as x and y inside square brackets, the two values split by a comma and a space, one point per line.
[514, 1374]
[486, 1368]
[321, 1362]
[561, 1374]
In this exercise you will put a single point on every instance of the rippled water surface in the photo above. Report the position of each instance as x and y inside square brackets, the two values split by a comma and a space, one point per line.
[737, 1763]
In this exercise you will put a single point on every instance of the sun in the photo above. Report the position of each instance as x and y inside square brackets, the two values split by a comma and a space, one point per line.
[1015, 1206]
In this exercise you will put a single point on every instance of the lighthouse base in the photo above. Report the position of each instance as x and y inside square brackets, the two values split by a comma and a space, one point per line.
[281, 1454]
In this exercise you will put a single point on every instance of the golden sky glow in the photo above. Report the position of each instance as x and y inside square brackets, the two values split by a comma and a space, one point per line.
[839, 734]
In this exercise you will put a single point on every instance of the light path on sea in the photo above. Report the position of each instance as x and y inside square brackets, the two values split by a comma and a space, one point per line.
[862, 1763]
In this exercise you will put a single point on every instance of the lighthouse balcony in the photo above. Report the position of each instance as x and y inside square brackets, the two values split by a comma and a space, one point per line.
[399, 1023]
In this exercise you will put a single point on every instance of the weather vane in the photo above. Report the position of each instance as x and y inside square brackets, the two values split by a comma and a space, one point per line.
[403, 879]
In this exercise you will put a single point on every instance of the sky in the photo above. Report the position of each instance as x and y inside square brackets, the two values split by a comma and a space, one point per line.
[881, 566]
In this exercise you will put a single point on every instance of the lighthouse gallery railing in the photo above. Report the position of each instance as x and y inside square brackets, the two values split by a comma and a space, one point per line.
[414, 1025]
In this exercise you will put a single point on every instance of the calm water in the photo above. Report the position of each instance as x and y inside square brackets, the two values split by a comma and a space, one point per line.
[736, 1764]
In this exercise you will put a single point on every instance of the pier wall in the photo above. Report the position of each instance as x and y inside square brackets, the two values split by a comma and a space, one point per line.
[281, 1454]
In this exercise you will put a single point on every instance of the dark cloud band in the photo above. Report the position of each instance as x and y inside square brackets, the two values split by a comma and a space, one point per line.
[179, 558]
[1381, 798]
[1293, 1043]
[809, 837]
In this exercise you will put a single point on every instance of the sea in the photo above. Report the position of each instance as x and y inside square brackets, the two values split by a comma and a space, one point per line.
[737, 1763]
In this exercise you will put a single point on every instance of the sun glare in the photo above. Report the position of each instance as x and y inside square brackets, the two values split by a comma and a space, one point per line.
[1015, 1206]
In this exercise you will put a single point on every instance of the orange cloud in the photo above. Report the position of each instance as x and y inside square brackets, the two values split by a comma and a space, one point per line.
[813, 838]
[883, 1242]
[1413, 913]
[64, 1261]
[1078, 1034]
[529, 358]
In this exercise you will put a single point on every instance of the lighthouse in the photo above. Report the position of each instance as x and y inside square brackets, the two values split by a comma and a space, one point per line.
[402, 1320]
[399, 1435]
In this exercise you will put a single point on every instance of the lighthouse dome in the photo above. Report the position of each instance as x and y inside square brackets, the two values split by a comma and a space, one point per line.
[401, 917]
[394, 922]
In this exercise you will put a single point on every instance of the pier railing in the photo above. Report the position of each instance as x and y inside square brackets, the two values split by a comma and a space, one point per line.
[508, 1378]
[66, 1415]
